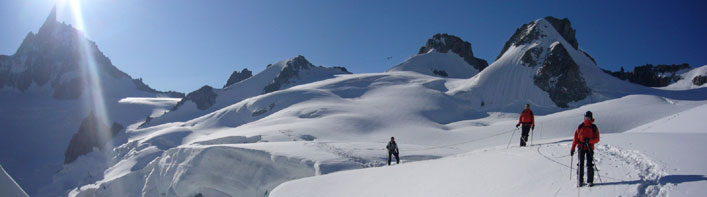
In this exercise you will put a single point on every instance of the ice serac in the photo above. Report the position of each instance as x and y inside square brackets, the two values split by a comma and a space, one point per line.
[444, 55]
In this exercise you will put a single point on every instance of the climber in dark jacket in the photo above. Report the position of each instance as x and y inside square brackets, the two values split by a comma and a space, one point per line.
[393, 150]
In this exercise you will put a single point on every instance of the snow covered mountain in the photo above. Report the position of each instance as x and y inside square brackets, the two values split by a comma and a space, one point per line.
[56, 79]
[695, 78]
[542, 64]
[281, 75]
[445, 56]
[294, 120]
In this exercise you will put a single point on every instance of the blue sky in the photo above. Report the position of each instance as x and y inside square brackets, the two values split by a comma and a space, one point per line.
[182, 45]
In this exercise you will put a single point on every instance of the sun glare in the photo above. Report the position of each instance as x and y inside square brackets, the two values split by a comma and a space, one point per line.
[95, 101]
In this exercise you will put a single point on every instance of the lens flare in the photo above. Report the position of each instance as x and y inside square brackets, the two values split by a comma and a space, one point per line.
[90, 71]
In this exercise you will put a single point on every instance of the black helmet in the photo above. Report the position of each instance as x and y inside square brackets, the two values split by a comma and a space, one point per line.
[589, 114]
[392, 138]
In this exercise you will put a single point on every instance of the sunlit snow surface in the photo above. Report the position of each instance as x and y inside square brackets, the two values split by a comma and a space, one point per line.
[328, 137]
[344, 123]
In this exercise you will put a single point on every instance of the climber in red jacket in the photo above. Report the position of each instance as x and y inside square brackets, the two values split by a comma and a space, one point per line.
[585, 137]
[527, 119]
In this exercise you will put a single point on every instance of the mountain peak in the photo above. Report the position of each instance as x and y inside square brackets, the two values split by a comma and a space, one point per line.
[564, 27]
[52, 14]
[537, 29]
[299, 62]
[238, 76]
[443, 43]
[50, 22]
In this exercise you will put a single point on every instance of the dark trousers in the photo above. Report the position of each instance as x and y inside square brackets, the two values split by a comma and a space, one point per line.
[397, 158]
[524, 134]
[587, 155]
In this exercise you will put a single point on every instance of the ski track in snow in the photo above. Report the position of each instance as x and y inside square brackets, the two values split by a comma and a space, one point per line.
[343, 153]
[649, 171]
[643, 167]
[348, 155]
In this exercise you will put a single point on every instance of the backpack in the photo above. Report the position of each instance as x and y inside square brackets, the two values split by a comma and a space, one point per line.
[594, 129]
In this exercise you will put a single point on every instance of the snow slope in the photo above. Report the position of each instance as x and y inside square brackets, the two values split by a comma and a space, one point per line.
[8, 186]
[686, 82]
[539, 170]
[660, 163]
[333, 125]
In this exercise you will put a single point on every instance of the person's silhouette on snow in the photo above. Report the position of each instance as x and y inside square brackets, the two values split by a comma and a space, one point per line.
[527, 119]
[393, 150]
[585, 137]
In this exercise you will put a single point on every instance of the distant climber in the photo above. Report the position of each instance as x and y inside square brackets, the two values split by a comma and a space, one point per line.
[527, 119]
[585, 137]
[393, 150]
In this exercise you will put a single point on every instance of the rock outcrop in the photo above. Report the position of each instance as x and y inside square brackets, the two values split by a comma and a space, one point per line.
[238, 76]
[289, 72]
[91, 134]
[523, 35]
[560, 77]
[651, 76]
[204, 98]
[699, 80]
[444, 43]
[564, 27]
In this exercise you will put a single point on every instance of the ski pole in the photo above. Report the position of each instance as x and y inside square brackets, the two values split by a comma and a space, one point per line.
[532, 132]
[598, 174]
[571, 162]
[594, 161]
[509, 141]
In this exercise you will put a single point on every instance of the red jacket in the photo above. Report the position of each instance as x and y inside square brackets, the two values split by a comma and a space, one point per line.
[586, 130]
[526, 117]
